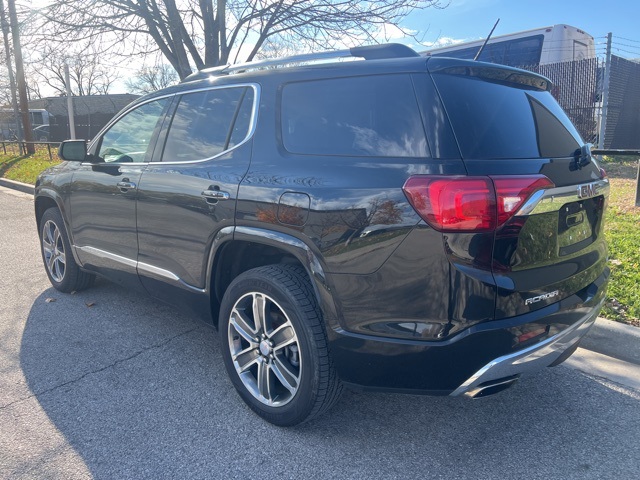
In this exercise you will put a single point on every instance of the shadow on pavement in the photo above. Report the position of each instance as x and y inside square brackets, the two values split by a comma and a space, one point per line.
[139, 391]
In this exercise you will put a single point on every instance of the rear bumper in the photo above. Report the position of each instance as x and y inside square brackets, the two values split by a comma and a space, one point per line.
[504, 370]
[478, 358]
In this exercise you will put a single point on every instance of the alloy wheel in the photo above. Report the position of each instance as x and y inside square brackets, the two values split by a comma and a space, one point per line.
[265, 349]
[53, 247]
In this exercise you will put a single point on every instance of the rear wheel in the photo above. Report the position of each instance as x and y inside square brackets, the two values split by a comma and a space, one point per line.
[63, 271]
[275, 347]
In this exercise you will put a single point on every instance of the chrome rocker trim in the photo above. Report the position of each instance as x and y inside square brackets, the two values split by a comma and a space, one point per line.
[140, 266]
[531, 359]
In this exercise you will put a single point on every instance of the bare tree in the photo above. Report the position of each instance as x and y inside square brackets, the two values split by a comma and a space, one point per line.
[148, 80]
[87, 75]
[206, 33]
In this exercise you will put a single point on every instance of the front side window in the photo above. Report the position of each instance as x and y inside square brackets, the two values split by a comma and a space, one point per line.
[374, 116]
[128, 139]
[208, 123]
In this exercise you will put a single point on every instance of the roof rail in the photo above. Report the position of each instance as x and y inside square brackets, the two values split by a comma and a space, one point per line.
[368, 52]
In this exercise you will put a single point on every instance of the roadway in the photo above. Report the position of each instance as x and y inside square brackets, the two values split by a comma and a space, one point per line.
[107, 383]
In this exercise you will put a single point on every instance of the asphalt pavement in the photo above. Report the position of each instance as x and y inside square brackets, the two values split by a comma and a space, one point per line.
[107, 383]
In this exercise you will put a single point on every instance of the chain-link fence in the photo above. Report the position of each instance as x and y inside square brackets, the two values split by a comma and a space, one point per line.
[576, 86]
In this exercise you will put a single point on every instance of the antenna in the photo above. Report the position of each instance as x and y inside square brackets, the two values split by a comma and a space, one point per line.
[486, 40]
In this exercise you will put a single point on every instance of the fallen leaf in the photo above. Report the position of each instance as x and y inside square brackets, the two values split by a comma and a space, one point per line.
[90, 304]
[50, 300]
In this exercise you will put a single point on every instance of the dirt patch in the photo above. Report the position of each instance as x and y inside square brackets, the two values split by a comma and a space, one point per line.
[627, 169]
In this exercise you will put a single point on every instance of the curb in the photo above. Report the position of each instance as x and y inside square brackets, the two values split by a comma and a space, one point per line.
[614, 339]
[22, 187]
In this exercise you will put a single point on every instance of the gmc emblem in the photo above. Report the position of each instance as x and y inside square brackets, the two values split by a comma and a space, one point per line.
[587, 191]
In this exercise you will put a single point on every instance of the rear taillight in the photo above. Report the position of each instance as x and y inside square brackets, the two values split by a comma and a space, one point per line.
[470, 204]
[513, 191]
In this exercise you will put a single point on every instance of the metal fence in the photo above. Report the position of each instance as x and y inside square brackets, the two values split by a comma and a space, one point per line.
[622, 127]
[576, 86]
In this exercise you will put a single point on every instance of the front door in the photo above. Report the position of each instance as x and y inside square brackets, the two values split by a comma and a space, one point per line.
[104, 191]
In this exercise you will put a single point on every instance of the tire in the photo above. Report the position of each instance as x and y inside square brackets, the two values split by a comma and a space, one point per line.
[279, 363]
[63, 271]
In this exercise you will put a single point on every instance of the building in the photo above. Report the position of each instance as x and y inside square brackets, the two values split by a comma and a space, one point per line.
[91, 113]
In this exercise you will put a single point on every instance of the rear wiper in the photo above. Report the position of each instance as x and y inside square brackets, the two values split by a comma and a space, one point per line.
[582, 155]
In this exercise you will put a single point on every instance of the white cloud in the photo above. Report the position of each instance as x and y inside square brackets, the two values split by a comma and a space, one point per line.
[388, 32]
[444, 42]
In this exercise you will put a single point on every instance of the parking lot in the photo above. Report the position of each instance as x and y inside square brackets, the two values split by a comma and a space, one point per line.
[107, 383]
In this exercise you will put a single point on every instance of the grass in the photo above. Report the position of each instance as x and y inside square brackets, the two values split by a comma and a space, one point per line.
[622, 225]
[622, 229]
[25, 168]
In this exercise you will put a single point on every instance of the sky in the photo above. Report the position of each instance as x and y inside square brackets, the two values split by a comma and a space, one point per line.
[473, 19]
[467, 20]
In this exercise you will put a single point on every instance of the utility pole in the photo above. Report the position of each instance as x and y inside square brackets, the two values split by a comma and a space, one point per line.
[12, 80]
[605, 93]
[72, 120]
[22, 86]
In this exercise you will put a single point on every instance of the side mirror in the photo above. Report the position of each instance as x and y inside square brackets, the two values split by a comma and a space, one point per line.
[73, 150]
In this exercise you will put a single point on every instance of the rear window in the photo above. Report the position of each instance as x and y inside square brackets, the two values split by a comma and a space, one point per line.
[356, 116]
[493, 120]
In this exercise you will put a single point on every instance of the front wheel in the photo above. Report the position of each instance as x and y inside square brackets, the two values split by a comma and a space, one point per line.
[63, 271]
[275, 347]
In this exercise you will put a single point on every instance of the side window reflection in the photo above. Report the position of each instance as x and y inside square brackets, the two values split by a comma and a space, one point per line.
[208, 123]
[128, 139]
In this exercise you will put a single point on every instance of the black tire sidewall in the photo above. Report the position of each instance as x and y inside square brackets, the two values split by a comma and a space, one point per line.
[296, 410]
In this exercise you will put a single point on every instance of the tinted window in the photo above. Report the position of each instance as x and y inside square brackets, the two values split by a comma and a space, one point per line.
[36, 118]
[361, 116]
[242, 124]
[202, 125]
[492, 120]
[518, 52]
[128, 139]
[468, 53]
[524, 51]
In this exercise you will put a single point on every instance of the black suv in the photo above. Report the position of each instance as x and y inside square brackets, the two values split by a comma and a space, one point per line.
[397, 223]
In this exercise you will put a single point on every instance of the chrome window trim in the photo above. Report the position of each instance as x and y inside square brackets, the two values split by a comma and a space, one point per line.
[553, 199]
[252, 122]
[145, 267]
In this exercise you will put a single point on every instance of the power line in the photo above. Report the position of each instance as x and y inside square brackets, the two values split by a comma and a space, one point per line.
[626, 45]
[637, 52]
[628, 39]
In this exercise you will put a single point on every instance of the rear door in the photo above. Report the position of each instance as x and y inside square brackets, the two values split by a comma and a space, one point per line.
[549, 243]
[188, 195]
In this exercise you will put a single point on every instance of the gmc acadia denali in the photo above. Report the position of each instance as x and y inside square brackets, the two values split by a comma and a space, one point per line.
[422, 225]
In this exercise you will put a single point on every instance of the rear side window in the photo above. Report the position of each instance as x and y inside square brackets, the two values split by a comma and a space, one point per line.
[208, 123]
[356, 116]
[494, 120]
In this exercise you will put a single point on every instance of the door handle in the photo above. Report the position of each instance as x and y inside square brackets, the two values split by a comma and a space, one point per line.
[215, 195]
[125, 185]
